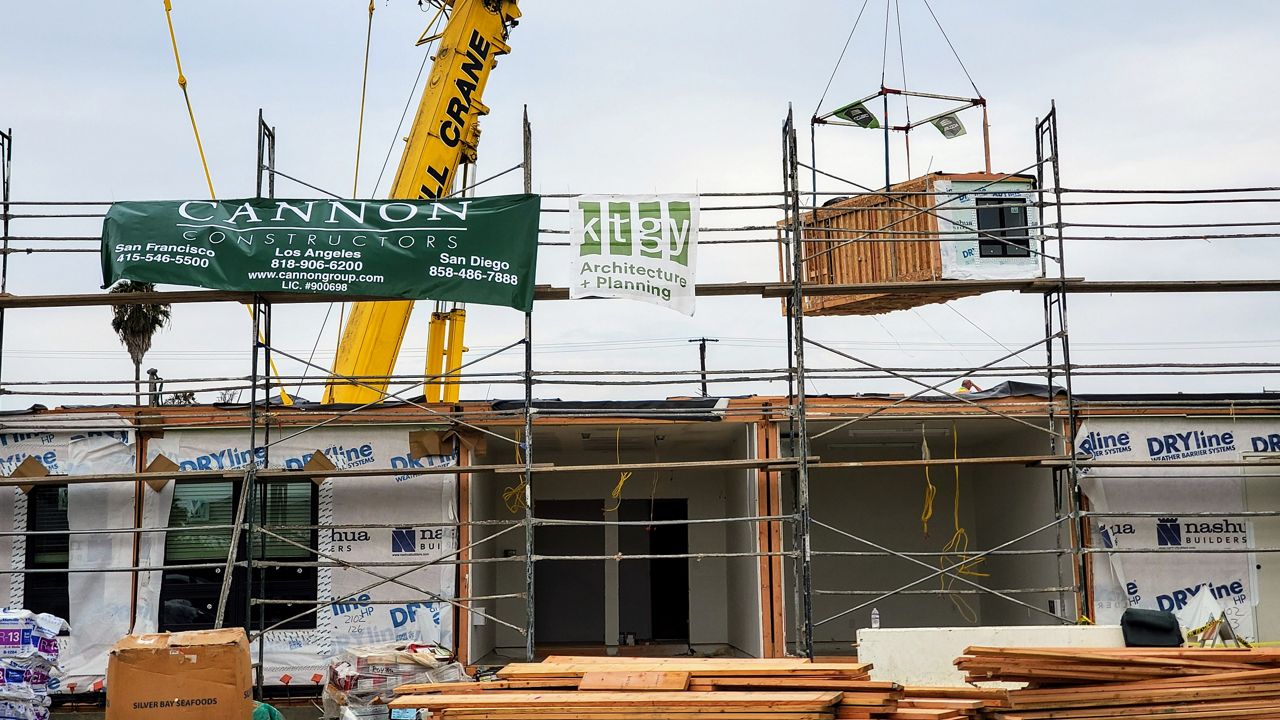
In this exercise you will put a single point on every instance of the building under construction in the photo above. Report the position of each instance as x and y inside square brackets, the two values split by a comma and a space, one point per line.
[731, 523]
[722, 525]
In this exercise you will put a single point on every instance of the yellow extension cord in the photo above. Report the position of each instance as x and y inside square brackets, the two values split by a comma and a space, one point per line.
[513, 495]
[623, 477]
[958, 545]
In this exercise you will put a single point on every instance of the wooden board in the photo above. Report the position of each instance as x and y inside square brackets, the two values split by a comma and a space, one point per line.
[695, 667]
[801, 701]
[460, 687]
[619, 680]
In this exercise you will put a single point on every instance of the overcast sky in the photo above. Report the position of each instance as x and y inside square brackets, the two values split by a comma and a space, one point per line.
[659, 96]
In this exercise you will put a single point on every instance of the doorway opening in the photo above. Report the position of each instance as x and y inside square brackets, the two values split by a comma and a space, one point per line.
[653, 594]
[569, 598]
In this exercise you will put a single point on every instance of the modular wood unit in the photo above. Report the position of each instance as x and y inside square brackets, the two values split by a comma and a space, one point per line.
[890, 237]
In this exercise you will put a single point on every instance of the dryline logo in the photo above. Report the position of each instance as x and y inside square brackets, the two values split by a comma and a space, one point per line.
[1096, 444]
[1265, 443]
[9, 463]
[1233, 590]
[7, 439]
[408, 462]
[343, 457]
[1193, 443]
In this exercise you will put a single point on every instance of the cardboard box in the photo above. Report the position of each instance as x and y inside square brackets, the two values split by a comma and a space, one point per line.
[198, 675]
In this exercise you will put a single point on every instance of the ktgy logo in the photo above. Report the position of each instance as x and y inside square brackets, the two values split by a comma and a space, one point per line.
[658, 230]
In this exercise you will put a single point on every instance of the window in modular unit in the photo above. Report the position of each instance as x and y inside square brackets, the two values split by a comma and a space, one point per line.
[47, 513]
[189, 595]
[1002, 227]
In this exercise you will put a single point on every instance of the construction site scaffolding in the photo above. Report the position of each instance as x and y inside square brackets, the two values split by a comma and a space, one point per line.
[1059, 410]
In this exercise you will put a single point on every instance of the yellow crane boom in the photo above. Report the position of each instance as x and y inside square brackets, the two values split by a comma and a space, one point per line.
[444, 135]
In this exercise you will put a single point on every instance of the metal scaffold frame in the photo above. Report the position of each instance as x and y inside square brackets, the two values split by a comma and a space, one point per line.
[791, 454]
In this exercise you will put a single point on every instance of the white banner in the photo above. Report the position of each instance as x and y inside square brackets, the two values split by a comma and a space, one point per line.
[638, 247]
[414, 504]
[1183, 575]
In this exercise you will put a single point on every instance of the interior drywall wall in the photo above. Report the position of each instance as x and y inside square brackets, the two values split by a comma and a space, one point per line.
[742, 600]
[705, 489]
[1013, 500]
[485, 503]
[885, 505]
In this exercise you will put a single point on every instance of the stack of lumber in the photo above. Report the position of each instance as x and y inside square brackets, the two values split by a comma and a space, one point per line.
[595, 688]
[1131, 683]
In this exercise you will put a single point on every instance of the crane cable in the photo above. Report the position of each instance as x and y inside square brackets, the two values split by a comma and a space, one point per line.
[364, 85]
[182, 83]
[355, 180]
[208, 178]
[840, 59]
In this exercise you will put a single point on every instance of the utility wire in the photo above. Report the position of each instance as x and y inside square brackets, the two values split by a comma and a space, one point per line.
[953, 48]
[306, 368]
[984, 332]
[840, 59]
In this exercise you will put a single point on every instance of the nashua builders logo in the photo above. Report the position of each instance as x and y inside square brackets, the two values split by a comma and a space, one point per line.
[414, 541]
[636, 247]
[1170, 532]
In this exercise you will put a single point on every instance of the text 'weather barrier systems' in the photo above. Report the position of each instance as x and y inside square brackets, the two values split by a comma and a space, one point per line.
[477, 250]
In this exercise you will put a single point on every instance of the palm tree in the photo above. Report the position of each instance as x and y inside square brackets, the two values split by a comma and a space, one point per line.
[135, 325]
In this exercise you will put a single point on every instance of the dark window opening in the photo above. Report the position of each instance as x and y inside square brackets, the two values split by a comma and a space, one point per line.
[189, 596]
[47, 591]
[1002, 227]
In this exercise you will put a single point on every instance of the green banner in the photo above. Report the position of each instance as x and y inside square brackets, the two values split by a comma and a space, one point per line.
[476, 250]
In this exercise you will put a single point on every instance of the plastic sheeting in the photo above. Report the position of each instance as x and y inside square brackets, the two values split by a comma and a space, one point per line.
[77, 444]
[101, 601]
[961, 258]
[1183, 565]
[409, 504]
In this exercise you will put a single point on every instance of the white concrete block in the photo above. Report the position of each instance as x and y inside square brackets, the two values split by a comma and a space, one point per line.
[925, 656]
